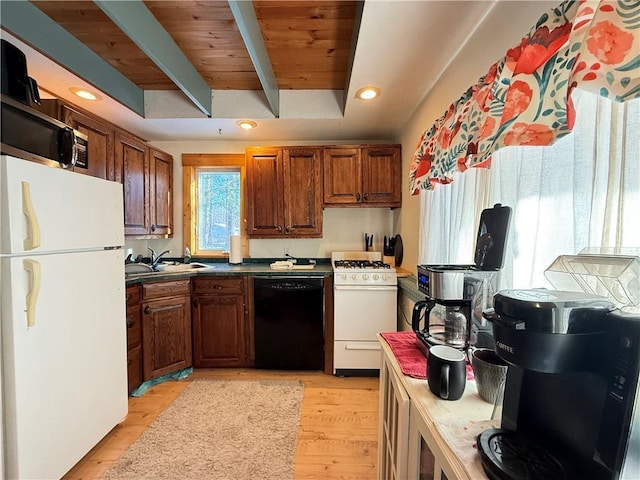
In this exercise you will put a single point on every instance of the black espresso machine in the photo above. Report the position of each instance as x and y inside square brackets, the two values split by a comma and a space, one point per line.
[456, 295]
[571, 399]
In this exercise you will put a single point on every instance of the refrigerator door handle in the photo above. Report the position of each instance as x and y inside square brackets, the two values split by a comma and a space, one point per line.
[32, 241]
[33, 267]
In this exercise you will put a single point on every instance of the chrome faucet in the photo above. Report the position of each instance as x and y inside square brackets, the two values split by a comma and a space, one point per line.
[156, 258]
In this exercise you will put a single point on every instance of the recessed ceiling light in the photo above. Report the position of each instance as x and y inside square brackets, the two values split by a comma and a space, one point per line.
[86, 94]
[368, 93]
[246, 124]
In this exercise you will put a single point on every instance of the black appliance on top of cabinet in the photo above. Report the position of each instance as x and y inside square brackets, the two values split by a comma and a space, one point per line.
[570, 408]
[289, 323]
[456, 295]
[16, 82]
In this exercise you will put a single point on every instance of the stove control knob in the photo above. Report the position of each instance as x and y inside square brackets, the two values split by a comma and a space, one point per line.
[365, 276]
[344, 276]
[385, 277]
[354, 276]
[376, 277]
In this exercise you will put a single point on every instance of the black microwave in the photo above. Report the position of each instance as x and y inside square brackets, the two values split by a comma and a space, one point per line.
[32, 135]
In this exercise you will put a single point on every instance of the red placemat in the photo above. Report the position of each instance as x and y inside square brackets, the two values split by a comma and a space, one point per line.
[403, 345]
[413, 362]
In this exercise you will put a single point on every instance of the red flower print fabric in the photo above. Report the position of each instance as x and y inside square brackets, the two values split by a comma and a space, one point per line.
[525, 97]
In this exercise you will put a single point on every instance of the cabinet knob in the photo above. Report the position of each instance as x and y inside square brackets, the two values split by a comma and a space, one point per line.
[279, 229]
[366, 197]
[358, 196]
[153, 228]
[288, 229]
[128, 297]
[147, 310]
[129, 323]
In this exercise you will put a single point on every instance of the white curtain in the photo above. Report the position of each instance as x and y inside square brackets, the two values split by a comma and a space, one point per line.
[582, 192]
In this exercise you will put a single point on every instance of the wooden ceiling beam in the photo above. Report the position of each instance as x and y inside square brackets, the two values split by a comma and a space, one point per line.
[354, 43]
[247, 22]
[139, 24]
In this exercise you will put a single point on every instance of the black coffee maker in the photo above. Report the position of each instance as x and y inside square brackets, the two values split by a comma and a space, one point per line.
[570, 408]
[456, 295]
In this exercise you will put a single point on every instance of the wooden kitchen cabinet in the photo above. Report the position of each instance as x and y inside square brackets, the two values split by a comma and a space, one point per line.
[284, 192]
[134, 337]
[160, 192]
[362, 176]
[101, 138]
[221, 336]
[147, 177]
[166, 327]
[132, 170]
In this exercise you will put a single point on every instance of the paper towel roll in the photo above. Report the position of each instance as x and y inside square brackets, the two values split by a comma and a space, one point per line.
[235, 249]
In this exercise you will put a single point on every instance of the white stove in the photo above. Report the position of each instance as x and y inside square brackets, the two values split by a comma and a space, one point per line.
[365, 304]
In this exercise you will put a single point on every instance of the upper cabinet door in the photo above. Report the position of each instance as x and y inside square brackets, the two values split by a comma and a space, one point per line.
[381, 176]
[342, 176]
[132, 170]
[303, 192]
[160, 191]
[101, 141]
[264, 192]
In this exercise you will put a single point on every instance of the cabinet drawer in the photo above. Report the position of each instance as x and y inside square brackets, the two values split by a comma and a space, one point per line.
[165, 289]
[132, 295]
[134, 327]
[218, 285]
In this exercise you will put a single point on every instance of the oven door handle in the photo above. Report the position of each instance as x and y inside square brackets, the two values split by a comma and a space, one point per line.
[365, 287]
[362, 346]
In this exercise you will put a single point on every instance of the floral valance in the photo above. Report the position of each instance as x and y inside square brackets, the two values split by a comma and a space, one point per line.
[525, 97]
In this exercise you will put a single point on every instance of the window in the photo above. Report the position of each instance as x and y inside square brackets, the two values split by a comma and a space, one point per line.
[581, 192]
[218, 207]
[214, 188]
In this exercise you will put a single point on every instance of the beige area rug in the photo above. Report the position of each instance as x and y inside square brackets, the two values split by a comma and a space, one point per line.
[219, 429]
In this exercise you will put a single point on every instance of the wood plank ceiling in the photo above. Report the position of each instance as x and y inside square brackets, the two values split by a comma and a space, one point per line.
[308, 43]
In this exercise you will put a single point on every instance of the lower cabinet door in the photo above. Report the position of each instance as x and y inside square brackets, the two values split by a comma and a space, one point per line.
[219, 334]
[134, 368]
[166, 336]
[393, 429]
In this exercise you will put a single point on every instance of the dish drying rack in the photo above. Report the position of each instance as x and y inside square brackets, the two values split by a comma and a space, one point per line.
[614, 276]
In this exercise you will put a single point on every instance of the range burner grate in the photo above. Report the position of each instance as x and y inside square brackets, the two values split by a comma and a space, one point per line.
[360, 264]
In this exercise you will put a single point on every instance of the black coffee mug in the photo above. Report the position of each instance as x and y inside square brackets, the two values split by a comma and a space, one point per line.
[446, 372]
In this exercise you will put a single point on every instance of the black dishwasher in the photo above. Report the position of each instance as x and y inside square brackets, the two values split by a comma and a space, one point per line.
[289, 323]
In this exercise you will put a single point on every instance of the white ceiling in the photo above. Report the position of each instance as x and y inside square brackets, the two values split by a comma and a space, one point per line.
[403, 48]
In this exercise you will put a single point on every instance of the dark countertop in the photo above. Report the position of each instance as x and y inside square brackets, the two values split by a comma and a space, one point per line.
[256, 268]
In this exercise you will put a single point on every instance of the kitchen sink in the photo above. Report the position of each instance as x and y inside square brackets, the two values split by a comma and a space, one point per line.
[181, 267]
[145, 270]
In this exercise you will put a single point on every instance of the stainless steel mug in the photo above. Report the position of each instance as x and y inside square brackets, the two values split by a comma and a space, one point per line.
[446, 372]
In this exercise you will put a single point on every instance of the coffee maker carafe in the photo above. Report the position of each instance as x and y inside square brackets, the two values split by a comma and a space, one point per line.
[442, 322]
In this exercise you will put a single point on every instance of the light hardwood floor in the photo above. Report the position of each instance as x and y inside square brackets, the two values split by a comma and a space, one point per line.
[337, 437]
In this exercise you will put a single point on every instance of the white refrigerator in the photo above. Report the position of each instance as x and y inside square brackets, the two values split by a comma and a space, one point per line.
[62, 328]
